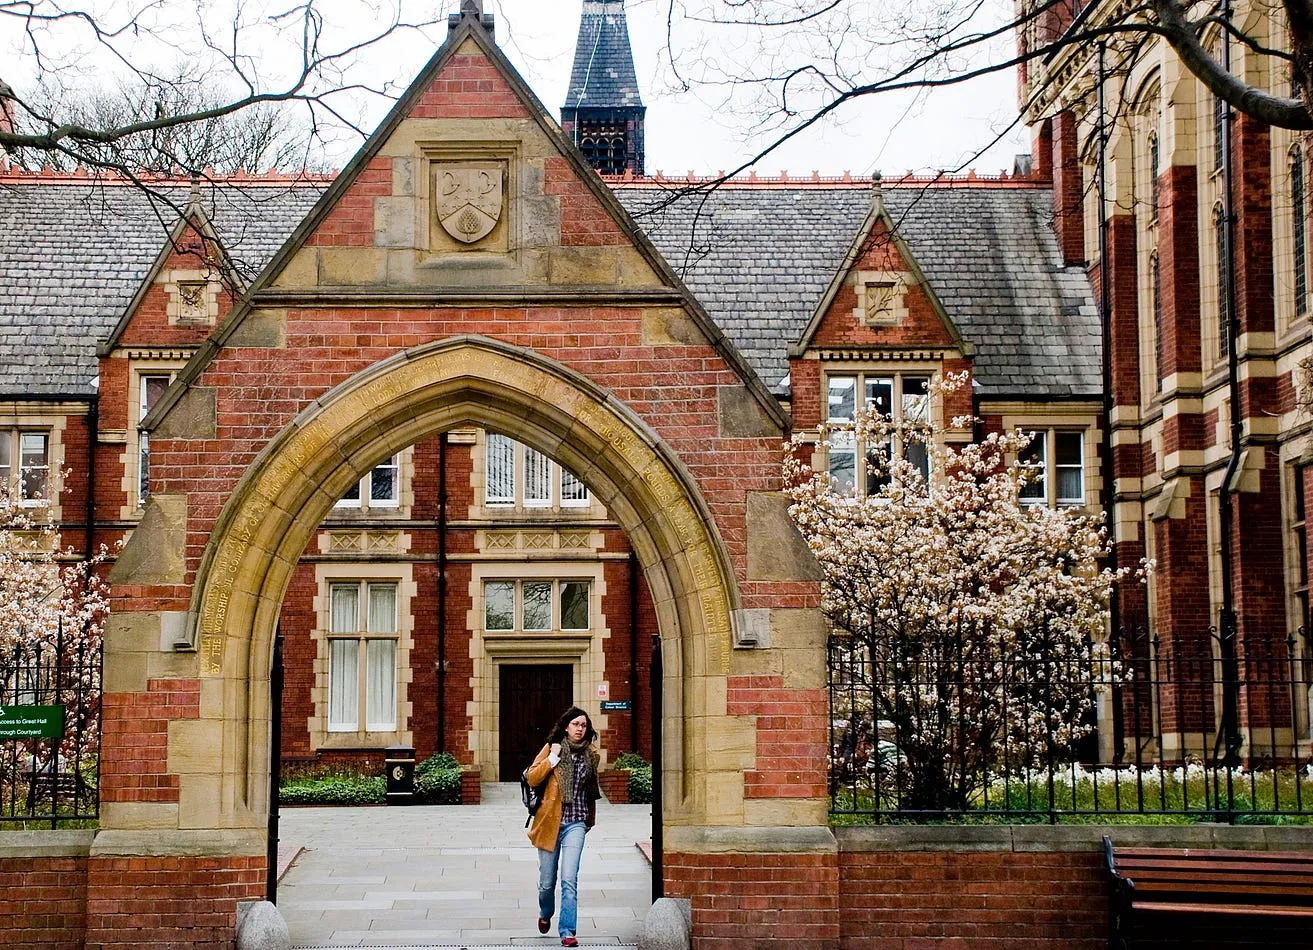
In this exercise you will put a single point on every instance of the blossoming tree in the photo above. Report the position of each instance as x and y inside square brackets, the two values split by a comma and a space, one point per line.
[52, 615]
[968, 629]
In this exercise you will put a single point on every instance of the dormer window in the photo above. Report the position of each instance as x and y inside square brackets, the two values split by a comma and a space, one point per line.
[881, 298]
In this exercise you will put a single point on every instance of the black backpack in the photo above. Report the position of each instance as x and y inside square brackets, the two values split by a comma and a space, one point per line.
[531, 795]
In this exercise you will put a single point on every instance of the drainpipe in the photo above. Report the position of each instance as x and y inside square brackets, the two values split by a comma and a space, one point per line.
[1107, 493]
[93, 436]
[442, 592]
[1230, 732]
[633, 650]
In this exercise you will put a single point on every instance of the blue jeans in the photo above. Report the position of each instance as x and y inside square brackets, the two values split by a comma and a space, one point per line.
[569, 847]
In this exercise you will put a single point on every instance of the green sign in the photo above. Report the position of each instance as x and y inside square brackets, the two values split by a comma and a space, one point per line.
[616, 705]
[31, 722]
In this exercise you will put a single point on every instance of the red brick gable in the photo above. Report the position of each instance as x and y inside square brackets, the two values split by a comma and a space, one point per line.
[923, 324]
[147, 322]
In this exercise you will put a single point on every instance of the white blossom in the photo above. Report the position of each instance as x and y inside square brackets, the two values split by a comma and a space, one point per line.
[968, 630]
[52, 604]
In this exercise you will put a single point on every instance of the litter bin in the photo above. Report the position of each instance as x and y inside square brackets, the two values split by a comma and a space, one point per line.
[399, 760]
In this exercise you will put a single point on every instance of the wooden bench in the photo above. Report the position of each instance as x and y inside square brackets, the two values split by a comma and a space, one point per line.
[1158, 881]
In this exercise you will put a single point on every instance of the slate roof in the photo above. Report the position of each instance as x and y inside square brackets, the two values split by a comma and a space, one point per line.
[72, 256]
[603, 74]
[759, 259]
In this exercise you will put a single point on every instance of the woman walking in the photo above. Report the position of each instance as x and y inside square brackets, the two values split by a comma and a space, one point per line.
[568, 763]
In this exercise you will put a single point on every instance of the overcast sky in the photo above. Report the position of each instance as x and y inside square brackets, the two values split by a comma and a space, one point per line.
[689, 131]
[703, 130]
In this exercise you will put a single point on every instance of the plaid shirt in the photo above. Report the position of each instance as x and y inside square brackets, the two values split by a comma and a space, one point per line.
[577, 810]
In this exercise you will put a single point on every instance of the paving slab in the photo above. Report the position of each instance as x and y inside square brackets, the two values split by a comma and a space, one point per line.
[451, 876]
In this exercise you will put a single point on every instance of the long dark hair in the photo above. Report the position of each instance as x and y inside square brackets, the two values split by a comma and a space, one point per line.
[570, 715]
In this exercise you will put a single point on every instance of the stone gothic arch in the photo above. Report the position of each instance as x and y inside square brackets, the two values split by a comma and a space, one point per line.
[292, 484]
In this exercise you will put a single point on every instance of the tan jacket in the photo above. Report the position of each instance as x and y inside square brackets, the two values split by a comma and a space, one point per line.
[547, 822]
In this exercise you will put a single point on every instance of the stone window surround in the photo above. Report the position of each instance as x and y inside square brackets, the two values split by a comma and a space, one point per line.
[405, 495]
[52, 426]
[131, 457]
[593, 511]
[581, 648]
[327, 574]
[861, 372]
[893, 283]
[1035, 419]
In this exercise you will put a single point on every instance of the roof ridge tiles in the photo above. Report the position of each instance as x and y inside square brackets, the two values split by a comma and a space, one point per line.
[82, 176]
[848, 180]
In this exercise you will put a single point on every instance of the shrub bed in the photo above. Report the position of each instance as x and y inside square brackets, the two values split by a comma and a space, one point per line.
[640, 777]
[437, 782]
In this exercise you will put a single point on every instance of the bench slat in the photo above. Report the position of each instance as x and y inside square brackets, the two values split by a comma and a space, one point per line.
[1258, 910]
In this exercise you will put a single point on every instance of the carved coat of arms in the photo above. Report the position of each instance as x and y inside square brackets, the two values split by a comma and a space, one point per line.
[469, 199]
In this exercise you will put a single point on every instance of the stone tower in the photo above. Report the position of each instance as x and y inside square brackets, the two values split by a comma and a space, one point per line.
[603, 112]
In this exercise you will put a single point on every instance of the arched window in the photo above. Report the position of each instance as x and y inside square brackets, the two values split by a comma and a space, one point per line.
[1299, 215]
[1156, 290]
[1154, 170]
[1221, 112]
[1223, 298]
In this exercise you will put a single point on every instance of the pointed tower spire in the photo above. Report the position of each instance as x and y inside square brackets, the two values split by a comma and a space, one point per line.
[603, 112]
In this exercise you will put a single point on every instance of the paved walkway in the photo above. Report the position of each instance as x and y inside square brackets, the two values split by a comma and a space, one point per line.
[449, 876]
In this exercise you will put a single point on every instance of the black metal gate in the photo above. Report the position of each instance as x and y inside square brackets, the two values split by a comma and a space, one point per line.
[50, 730]
[658, 882]
[275, 762]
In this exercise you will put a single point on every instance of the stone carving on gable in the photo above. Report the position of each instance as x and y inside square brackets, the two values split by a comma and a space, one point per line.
[881, 298]
[469, 199]
[193, 302]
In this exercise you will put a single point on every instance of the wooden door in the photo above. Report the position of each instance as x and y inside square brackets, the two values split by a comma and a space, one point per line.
[532, 699]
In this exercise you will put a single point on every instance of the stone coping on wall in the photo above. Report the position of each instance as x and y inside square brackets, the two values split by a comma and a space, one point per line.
[1040, 838]
[46, 844]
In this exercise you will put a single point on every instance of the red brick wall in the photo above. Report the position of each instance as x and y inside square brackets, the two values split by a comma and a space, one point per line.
[755, 901]
[179, 903]
[43, 903]
[135, 738]
[1068, 189]
[910, 900]
[791, 726]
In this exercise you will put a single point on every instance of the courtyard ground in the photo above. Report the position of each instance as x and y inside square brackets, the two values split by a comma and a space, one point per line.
[451, 876]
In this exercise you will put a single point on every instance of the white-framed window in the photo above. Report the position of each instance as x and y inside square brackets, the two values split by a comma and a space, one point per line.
[150, 388]
[1055, 459]
[25, 465]
[535, 605]
[362, 656]
[381, 488]
[517, 475]
[902, 398]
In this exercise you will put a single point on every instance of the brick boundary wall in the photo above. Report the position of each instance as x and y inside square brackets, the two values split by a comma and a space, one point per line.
[178, 903]
[43, 889]
[1017, 886]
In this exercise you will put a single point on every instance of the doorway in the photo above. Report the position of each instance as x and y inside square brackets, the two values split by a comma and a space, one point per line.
[532, 697]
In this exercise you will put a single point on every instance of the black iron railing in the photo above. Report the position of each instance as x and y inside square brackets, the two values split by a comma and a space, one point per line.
[1121, 734]
[50, 731]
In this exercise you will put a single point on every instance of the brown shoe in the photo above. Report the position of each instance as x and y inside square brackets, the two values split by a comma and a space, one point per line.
[544, 925]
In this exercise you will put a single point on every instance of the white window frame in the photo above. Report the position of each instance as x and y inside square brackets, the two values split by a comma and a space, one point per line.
[556, 623]
[1047, 440]
[144, 375]
[898, 407]
[14, 473]
[362, 636]
[524, 460]
[364, 500]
